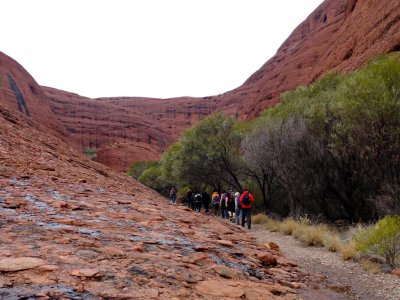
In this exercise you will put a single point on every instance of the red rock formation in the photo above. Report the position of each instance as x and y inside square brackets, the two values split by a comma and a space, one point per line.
[125, 129]
[340, 35]
[20, 92]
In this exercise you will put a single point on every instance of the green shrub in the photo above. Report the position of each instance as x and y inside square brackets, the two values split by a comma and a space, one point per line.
[138, 167]
[90, 151]
[383, 239]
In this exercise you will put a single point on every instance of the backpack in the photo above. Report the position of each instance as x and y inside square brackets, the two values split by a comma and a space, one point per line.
[197, 198]
[246, 199]
[216, 200]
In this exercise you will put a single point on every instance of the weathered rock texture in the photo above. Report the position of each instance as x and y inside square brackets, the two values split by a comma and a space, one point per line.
[126, 129]
[75, 229]
[20, 92]
[340, 35]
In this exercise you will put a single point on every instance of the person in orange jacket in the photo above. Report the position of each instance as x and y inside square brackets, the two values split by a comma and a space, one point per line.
[246, 200]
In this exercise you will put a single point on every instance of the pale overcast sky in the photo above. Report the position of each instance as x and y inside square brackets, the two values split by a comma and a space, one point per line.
[153, 48]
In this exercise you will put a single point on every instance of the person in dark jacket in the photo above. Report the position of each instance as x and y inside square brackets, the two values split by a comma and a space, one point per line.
[231, 205]
[172, 195]
[223, 205]
[189, 198]
[206, 201]
[246, 200]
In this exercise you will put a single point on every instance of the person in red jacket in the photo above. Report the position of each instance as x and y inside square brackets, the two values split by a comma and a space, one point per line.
[246, 200]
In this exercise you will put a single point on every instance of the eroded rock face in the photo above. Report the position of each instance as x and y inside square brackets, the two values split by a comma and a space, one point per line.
[126, 129]
[340, 35]
[19, 92]
[83, 231]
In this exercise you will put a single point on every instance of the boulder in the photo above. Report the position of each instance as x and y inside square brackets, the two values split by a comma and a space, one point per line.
[267, 259]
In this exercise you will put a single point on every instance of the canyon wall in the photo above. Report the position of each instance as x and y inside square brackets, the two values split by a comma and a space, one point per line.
[126, 129]
[339, 36]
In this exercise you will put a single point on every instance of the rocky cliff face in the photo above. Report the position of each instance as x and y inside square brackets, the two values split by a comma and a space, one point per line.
[19, 92]
[126, 129]
[340, 35]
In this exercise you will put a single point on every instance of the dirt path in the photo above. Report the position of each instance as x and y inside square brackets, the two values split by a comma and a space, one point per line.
[338, 279]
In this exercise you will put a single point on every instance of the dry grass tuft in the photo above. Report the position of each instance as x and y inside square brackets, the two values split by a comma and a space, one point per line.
[371, 266]
[260, 219]
[311, 235]
[332, 242]
[288, 226]
[315, 235]
[348, 251]
[272, 225]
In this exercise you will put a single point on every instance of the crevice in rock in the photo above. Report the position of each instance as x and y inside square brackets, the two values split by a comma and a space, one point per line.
[33, 90]
[348, 54]
[20, 99]
[395, 48]
[390, 25]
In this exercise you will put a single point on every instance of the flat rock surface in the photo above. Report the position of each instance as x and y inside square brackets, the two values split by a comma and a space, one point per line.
[10, 264]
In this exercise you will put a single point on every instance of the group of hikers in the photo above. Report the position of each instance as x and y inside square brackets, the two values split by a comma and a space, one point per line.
[235, 207]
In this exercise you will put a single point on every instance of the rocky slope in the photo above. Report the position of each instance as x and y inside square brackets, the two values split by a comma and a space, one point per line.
[74, 229]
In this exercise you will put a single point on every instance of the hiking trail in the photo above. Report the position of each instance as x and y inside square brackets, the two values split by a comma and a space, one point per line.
[334, 278]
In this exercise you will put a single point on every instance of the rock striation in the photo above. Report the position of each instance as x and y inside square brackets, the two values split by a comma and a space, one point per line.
[75, 229]
[126, 129]
[20, 92]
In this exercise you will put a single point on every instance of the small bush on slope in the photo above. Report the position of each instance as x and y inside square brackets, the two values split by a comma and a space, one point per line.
[382, 239]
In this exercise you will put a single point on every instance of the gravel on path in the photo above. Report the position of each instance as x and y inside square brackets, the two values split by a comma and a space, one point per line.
[334, 278]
